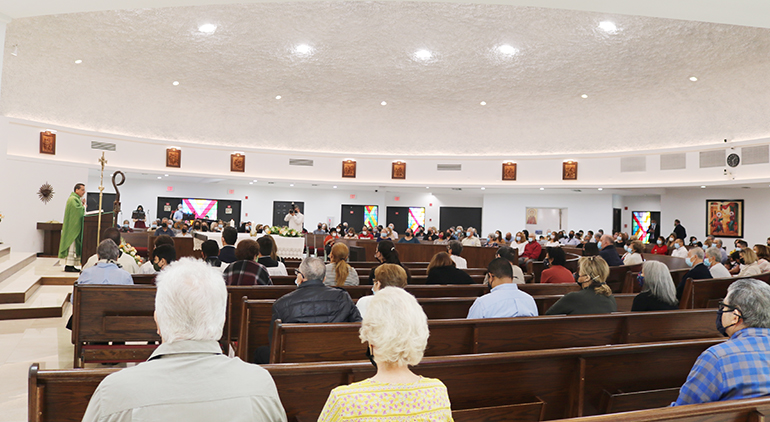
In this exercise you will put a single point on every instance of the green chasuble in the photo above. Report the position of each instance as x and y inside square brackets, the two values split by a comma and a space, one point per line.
[72, 230]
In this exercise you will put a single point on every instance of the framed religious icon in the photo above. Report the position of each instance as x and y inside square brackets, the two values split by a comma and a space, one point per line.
[509, 171]
[238, 162]
[569, 170]
[47, 143]
[349, 168]
[724, 218]
[398, 170]
[173, 157]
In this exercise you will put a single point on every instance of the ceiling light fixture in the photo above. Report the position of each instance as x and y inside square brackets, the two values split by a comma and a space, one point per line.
[542, 188]
[291, 184]
[584, 96]
[166, 175]
[693, 78]
[608, 26]
[277, 97]
[78, 61]
[303, 50]
[251, 183]
[507, 50]
[255, 180]
[601, 188]
[483, 188]
[335, 187]
[175, 83]
[427, 187]
[207, 28]
[159, 177]
[483, 103]
[423, 55]
[383, 103]
[703, 187]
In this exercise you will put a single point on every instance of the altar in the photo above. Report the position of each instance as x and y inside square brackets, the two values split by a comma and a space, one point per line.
[288, 247]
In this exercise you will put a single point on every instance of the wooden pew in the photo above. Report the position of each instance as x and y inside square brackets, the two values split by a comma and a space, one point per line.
[631, 285]
[617, 276]
[536, 267]
[624, 302]
[708, 293]
[416, 279]
[570, 381]
[183, 246]
[340, 341]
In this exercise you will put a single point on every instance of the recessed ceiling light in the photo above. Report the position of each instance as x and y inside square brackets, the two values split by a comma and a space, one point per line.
[542, 188]
[427, 187]
[584, 96]
[277, 97]
[207, 28]
[693, 78]
[335, 187]
[251, 183]
[175, 83]
[601, 188]
[608, 26]
[291, 184]
[78, 61]
[159, 177]
[423, 55]
[703, 187]
[303, 50]
[483, 188]
[166, 175]
[383, 103]
[507, 50]
[483, 103]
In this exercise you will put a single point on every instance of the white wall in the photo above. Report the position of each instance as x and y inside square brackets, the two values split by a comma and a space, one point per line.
[689, 206]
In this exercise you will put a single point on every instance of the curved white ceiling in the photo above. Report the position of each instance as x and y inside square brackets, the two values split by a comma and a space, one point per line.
[636, 79]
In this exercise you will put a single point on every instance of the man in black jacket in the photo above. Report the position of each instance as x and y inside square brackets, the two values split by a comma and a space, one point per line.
[699, 270]
[679, 230]
[608, 251]
[229, 238]
[312, 302]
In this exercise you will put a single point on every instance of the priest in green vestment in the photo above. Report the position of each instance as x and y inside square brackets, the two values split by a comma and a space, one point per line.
[71, 245]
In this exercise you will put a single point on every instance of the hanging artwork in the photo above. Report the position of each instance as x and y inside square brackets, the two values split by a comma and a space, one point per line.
[569, 170]
[531, 215]
[238, 162]
[173, 157]
[349, 168]
[724, 217]
[509, 171]
[45, 193]
[399, 170]
[48, 143]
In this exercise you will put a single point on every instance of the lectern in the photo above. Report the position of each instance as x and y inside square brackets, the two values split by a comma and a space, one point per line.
[90, 230]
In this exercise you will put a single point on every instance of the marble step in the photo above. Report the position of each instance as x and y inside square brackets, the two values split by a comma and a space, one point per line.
[22, 284]
[4, 250]
[45, 302]
[12, 263]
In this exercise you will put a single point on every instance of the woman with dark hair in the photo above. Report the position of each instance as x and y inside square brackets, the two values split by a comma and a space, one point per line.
[660, 248]
[139, 217]
[557, 272]
[387, 254]
[591, 249]
[442, 270]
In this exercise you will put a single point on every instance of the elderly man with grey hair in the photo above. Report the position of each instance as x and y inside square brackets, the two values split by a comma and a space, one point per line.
[713, 261]
[106, 270]
[740, 367]
[699, 271]
[722, 251]
[312, 302]
[187, 378]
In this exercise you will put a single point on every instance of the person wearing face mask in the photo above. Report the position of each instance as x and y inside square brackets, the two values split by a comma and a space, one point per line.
[508, 238]
[595, 297]
[366, 233]
[164, 230]
[749, 264]
[763, 257]
[658, 293]
[519, 242]
[713, 260]
[556, 271]
[736, 369]
[504, 300]
[393, 232]
[385, 275]
[470, 238]
[319, 230]
[408, 238]
[532, 251]
[148, 267]
[699, 271]
[660, 247]
[633, 254]
[608, 252]
[680, 251]
[126, 227]
[124, 260]
[571, 240]
[553, 241]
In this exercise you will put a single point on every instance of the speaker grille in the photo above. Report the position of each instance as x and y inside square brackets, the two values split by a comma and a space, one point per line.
[673, 161]
[104, 146]
[712, 159]
[449, 167]
[755, 155]
[300, 162]
[630, 164]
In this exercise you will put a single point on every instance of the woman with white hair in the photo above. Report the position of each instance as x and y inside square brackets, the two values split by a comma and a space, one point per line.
[396, 329]
[658, 291]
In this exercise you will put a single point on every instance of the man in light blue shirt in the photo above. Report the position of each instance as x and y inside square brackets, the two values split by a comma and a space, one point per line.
[178, 214]
[505, 300]
[106, 270]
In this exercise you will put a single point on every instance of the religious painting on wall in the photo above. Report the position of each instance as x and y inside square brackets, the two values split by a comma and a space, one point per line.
[531, 215]
[399, 170]
[349, 168]
[724, 217]
[569, 170]
[47, 143]
[509, 171]
[237, 162]
[173, 157]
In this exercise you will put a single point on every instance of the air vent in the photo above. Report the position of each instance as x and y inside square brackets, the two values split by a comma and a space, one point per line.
[270, 183]
[630, 164]
[457, 188]
[576, 190]
[755, 155]
[300, 162]
[104, 146]
[673, 161]
[712, 159]
[449, 167]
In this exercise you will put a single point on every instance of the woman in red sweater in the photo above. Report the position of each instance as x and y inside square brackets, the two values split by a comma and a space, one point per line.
[660, 248]
[557, 273]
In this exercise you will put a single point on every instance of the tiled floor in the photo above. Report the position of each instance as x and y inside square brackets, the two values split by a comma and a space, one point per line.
[23, 342]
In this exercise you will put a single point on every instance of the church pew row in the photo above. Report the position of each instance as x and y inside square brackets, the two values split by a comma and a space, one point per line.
[571, 382]
[340, 341]
[707, 293]
[747, 410]
[535, 268]
[631, 285]
[256, 316]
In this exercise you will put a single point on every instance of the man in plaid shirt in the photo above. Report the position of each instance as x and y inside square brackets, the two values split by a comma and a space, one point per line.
[245, 271]
[740, 367]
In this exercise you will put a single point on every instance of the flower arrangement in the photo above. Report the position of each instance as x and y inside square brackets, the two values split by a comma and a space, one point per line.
[283, 231]
[126, 248]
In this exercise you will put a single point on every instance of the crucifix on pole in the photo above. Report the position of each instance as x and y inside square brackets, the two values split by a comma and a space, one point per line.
[103, 161]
